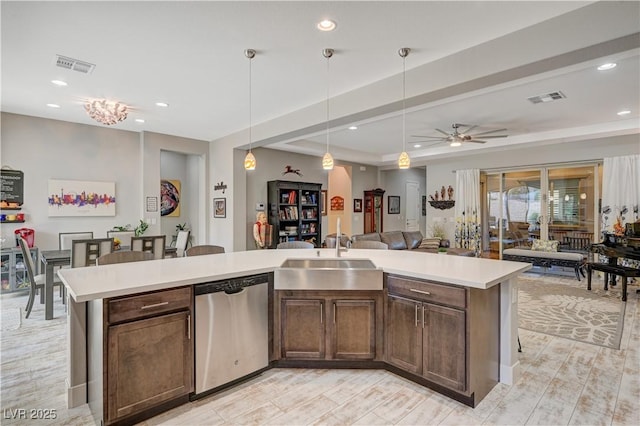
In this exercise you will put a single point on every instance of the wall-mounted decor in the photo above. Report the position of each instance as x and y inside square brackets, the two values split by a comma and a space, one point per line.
[393, 204]
[323, 202]
[220, 186]
[169, 198]
[442, 199]
[337, 203]
[289, 169]
[152, 204]
[424, 205]
[220, 207]
[357, 205]
[12, 188]
[81, 198]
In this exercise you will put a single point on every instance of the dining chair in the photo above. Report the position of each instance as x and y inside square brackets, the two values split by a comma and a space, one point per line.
[182, 239]
[203, 249]
[295, 245]
[36, 282]
[85, 252]
[153, 244]
[123, 236]
[364, 244]
[65, 238]
[123, 257]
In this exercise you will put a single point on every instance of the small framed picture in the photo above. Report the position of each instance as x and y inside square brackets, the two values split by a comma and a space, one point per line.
[323, 202]
[219, 207]
[394, 204]
[357, 205]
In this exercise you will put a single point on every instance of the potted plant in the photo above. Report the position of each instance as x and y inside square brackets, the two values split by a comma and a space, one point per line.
[442, 250]
[142, 226]
[438, 231]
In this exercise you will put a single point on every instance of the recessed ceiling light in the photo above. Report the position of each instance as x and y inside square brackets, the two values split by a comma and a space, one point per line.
[162, 104]
[624, 112]
[59, 82]
[607, 66]
[353, 127]
[139, 120]
[53, 105]
[326, 25]
[417, 145]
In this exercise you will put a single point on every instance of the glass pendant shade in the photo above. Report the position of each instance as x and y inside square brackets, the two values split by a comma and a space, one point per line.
[404, 162]
[327, 161]
[250, 161]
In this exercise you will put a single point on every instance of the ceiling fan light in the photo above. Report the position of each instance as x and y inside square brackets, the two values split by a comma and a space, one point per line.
[327, 162]
[250, 161]
[455, 143]
[404, 162]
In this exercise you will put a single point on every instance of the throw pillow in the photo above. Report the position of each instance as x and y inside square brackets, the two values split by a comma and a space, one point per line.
[430, 243]
[545, 245]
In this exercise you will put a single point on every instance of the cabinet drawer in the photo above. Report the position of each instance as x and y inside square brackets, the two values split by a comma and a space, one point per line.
[427, 291]
[133, 307]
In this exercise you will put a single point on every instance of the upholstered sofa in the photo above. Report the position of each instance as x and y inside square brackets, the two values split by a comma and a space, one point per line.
[410, 240]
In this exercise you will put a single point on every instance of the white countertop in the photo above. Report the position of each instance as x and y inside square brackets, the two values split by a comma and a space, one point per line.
[91, 283]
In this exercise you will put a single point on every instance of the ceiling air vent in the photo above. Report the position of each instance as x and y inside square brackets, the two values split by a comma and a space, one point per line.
[74, 64]
[547, 97]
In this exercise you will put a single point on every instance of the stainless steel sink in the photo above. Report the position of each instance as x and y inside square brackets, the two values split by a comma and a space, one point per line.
[320, 263]
[328, 274]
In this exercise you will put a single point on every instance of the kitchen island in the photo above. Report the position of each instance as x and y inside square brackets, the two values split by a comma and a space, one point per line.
[112, 281]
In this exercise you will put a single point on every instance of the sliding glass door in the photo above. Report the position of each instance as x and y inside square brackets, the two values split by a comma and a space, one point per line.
[556, 202]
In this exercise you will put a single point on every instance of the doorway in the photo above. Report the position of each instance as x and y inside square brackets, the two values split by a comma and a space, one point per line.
[548, 203]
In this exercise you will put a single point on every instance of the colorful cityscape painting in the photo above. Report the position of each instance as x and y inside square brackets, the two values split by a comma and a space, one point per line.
[81, 198]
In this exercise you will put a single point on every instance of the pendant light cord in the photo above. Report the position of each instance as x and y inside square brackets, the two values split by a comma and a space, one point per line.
[327, 121]
[250, 139]
[404, 73]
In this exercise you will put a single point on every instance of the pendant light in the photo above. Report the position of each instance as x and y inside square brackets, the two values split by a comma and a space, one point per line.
[327, 160]
[403, 160]
[250, 159]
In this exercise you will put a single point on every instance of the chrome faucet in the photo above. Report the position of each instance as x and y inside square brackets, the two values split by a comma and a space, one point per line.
[338, 239]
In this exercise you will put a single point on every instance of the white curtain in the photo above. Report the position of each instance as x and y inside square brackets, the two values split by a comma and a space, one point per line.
[468, 233]
[620, 192]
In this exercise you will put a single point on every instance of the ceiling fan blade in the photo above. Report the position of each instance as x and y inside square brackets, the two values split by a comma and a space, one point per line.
[476, 141]
[443, 132]
[490, 136]
[428, 137]
[469, 128]
[491, 131]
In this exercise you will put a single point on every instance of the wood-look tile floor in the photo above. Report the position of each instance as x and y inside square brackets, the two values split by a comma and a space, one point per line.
[563, 383]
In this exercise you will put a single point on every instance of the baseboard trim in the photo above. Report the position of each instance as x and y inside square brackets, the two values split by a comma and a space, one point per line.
[76, 395]
[509, 374]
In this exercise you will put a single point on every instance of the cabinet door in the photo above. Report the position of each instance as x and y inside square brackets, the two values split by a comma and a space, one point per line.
[303, 328]
[353, 329]
[404, 334]
[6, 265]
[149, 362]
[444, 346]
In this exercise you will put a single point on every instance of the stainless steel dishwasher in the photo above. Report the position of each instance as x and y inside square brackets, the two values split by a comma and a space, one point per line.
[231, 334]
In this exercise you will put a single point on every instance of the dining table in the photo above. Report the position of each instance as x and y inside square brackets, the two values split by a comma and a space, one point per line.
[51, 259]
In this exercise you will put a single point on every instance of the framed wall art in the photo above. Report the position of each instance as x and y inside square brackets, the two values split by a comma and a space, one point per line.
[81, 198]
[393, 204]
[220, 207]
[357, 205]
[170, 197]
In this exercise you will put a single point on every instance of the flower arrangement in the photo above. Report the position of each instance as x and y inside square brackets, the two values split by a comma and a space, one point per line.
[116, 243]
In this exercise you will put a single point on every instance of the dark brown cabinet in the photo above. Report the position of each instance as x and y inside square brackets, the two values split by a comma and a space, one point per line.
[140, 354]
[373, 210]
[329, 326]
[294, 211]
[444, 334]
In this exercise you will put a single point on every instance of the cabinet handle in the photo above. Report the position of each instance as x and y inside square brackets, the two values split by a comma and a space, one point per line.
[189, 326]
[321, 313]
[334, 313]
[424, 313]
[155, 305]
[415, 290]
[416, 316]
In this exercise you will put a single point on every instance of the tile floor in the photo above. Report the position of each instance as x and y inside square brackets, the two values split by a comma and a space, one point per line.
[563, 383]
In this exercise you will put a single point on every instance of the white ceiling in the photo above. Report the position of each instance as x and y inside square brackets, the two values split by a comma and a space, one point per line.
[190, 55]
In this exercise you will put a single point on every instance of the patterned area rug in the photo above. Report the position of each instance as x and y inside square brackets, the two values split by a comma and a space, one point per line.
[564, 307]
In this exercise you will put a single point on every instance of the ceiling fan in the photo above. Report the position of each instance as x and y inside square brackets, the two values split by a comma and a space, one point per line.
[462, 133]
